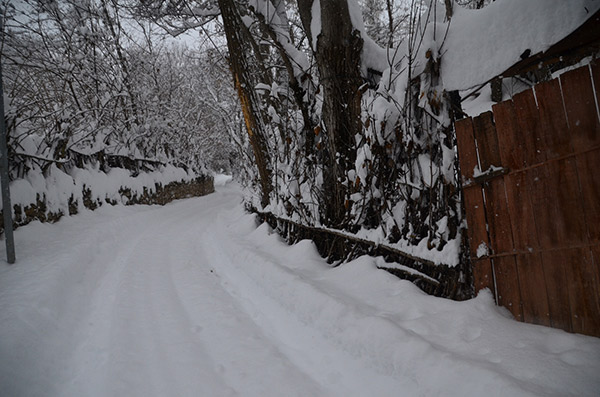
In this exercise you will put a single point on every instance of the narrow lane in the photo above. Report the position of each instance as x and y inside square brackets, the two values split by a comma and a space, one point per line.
[192, 299]
[132, 306]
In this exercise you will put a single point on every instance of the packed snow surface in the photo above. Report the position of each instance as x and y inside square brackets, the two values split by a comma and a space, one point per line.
[192, 299]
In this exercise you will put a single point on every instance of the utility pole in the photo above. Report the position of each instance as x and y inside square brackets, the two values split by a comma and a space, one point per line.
[4, 180]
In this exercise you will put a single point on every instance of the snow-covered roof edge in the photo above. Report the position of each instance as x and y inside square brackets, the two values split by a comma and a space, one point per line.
[482, 44]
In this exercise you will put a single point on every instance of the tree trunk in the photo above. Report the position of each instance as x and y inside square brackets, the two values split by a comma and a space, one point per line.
[240, 64]
[338, 54]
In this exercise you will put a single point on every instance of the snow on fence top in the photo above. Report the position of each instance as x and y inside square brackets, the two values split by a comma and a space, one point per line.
[481, 44]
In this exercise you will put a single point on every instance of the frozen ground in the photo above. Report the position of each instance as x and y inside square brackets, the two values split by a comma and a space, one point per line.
[191, 299]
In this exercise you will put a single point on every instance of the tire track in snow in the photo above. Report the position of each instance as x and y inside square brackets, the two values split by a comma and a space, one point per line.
[154, 350]
[379, 357]
[339, 372]
[160, 322]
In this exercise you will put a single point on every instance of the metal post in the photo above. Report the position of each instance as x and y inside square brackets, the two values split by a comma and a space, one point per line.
[4, 180]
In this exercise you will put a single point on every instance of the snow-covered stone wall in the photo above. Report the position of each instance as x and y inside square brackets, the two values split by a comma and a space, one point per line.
[50, 193]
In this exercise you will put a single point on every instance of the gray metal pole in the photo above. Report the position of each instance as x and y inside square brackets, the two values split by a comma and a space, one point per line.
[4, 180]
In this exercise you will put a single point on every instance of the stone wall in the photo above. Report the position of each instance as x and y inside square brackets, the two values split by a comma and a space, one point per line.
[161, 195]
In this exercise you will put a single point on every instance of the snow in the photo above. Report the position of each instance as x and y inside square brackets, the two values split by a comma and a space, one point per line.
[221, 179]
[193, 299]
[276, 19]
[449, 255]
[481, 44]
[382, 264]
[372, 56]
[60, 186]
[482, 250]
[478, 103]
[315, 22]
[491, 169]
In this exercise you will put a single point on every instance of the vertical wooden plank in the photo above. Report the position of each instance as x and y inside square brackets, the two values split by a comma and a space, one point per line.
[530, 132]
[507, 283]
[476, 224]
[581, 108]
[572, 290]
[596, 78]
[555, 276]
[557, 203]
[467, 152]
[583, 295]
[570, 203]
[509, 142]
[473, 196]
[521, 211]
[533, 289]
[487, 141]
[504, 268]
[595, 252]
[553, 120]
[588, 169]
[495, 195]
[498, 218]
[482, 275]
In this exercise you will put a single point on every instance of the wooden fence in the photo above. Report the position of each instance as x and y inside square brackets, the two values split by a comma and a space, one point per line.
[531, 178]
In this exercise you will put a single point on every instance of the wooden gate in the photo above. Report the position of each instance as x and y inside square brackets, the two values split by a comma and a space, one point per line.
[531, 179]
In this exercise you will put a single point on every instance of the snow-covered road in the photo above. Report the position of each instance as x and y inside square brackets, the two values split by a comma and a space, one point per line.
[191, 299]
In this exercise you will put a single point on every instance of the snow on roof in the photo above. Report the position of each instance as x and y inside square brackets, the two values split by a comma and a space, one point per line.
[481, 44]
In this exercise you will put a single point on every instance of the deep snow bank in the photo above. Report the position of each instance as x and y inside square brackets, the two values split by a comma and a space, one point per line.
[430, 346]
